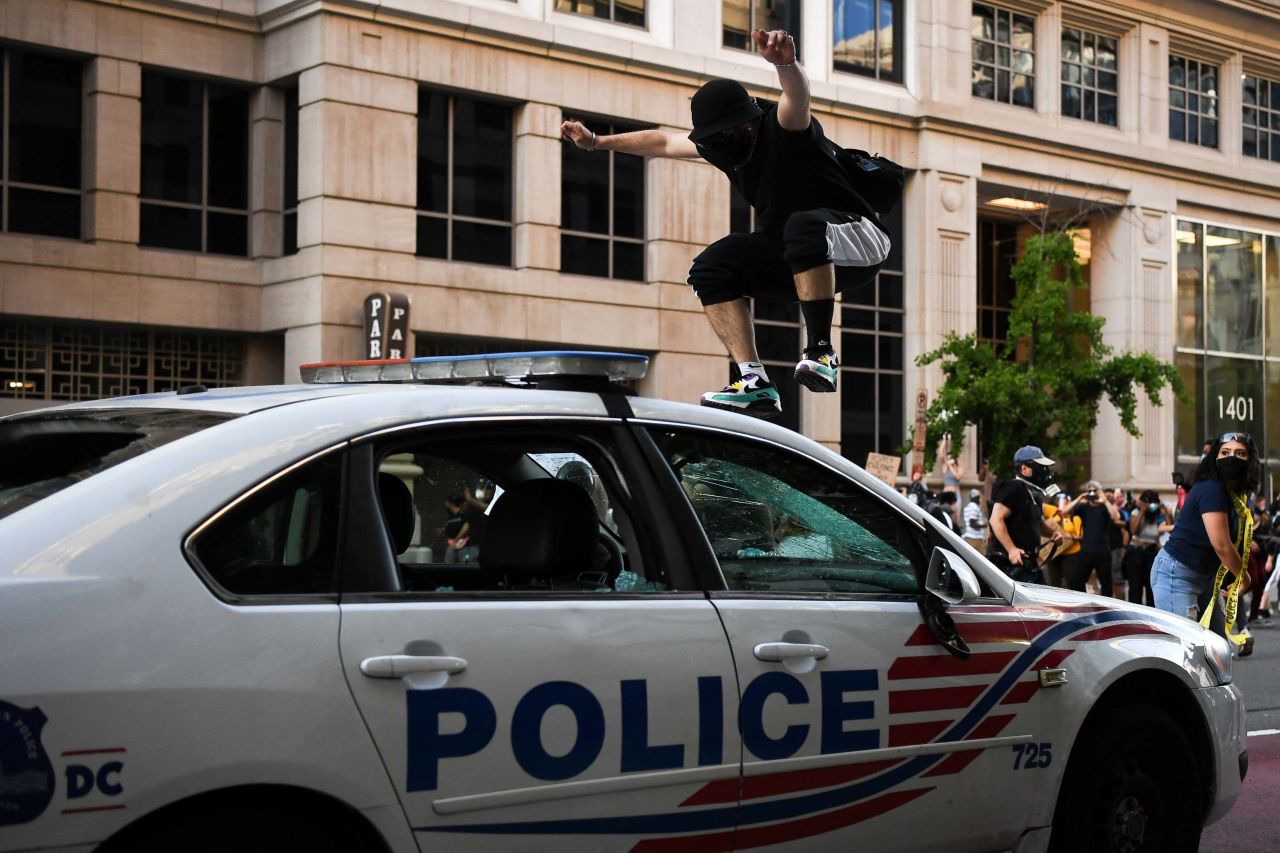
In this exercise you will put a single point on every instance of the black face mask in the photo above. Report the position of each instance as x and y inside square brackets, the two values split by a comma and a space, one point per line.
[1233, 469]
[1042, 478]
[732, 148]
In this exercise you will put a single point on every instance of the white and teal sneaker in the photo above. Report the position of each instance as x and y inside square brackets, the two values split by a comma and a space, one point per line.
[750, 395]
[819, 369]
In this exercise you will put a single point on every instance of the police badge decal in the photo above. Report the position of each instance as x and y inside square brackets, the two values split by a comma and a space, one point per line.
[26, 774]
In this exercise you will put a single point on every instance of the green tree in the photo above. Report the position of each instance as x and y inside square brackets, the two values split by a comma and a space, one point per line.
[1043, 385]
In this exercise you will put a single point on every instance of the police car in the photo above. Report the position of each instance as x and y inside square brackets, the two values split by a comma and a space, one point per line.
[500, 602]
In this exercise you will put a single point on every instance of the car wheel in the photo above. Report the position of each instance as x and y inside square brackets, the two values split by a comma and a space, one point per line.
[1132, 786]
[244, 830]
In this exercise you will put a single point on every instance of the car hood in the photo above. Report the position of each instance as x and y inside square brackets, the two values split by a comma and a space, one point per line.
[1054, 598]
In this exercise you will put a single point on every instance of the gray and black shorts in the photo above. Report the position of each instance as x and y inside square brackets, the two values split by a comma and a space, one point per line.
[763, 265]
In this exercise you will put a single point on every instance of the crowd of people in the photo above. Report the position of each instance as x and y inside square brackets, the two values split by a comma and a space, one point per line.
[1173, 553]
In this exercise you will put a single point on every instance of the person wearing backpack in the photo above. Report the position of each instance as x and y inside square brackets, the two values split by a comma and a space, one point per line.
[817, 207]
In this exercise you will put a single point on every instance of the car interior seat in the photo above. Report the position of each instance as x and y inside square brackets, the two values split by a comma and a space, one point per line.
[397, 508]
[542, 533]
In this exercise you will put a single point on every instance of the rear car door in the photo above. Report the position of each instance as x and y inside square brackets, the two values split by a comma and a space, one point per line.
[524, 690]
[858, 729]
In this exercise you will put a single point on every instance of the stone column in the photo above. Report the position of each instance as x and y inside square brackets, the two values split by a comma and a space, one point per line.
[1131, 289]
[944, 51]
[319, 342]
[1153, 88]
[357, 160]
[266, 170]
[1230, 108]
[1048, 67]
[686, 209]
[537, 196]
[941, 278]
[357, 189]
[112, 154]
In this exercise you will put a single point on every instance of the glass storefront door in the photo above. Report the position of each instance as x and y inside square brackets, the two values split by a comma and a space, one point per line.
[1228, 339]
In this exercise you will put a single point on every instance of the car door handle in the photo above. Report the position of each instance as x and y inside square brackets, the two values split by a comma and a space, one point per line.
[398, 666]
[790, 651]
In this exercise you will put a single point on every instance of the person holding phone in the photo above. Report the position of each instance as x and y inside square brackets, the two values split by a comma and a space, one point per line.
[1097, 519]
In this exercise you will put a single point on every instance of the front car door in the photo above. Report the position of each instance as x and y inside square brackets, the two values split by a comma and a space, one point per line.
[524, 691]
[858, 729]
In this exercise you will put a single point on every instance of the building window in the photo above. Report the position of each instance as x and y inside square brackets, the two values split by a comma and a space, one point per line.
[1261, 118]
[866, 38]
[41, 360]
[602, 210]
[1004, 59]
[41, 135]
[619, 11]
[1193, 101]
[465, 175]
[997, 252]
[872, 406]
[290, 208]
[1228, 350]
[1090, 82]
[739, 18]
[195, 166]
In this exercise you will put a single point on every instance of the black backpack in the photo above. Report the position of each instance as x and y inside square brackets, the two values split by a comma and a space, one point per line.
[877, 179]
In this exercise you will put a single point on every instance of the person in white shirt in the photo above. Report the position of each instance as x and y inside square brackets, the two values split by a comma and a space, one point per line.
[975, 521]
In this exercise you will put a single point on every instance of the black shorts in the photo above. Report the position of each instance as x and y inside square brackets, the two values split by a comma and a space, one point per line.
[763, 265]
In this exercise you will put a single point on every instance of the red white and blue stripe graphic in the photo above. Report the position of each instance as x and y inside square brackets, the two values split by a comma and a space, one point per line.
[789, 805]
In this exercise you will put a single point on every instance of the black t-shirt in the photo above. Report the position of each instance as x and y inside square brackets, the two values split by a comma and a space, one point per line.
[789, 171]
[1096, 527]
[1189, 542]
[476, 519]
[1023, 521]
[1115, 534]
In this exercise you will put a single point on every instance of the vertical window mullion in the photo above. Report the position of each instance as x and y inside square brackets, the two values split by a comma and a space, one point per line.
[609, 232]
[448, 178]
[8, 141]
[876, 46]
[204, 167]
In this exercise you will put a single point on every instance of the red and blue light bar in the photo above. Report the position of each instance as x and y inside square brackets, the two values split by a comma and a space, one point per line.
[487, 367]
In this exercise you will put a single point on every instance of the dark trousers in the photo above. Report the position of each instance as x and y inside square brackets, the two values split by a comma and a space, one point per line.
[1137, 572]
[1086, 563]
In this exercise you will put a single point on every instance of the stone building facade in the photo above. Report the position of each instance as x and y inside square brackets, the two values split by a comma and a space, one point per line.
[246, 172]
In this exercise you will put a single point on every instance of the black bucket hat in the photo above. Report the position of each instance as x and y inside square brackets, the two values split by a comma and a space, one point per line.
[720, 105]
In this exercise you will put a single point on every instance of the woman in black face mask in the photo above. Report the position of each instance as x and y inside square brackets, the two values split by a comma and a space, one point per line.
[1212, 532]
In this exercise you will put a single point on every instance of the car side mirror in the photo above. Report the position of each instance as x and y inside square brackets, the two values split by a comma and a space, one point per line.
[949, 581]
[950, 578]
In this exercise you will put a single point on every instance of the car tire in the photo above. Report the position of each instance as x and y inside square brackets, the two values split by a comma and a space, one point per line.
[1132, 785]
[243, 830]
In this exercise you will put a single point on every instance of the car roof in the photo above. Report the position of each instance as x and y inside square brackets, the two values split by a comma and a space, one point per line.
[386, 404]
[233, 401]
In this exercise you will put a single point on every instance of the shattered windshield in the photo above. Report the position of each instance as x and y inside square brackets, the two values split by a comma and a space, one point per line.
[778, 521]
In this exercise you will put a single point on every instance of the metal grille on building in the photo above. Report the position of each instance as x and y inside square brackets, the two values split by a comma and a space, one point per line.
[44, 360]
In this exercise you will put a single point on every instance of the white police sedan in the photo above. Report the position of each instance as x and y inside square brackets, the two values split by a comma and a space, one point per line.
[497, 602]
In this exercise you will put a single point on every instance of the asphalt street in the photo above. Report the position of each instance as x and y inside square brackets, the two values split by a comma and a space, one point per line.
[1253, 826]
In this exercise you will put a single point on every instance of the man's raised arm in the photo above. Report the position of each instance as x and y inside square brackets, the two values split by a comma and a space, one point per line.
[779, 49]
[645, 143]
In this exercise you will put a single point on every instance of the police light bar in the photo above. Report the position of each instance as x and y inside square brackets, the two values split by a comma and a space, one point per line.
[511, 367]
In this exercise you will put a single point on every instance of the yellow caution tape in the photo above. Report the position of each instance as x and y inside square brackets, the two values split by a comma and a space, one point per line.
[1241, 541]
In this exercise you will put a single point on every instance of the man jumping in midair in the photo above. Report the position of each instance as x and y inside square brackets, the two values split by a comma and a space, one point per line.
[809, 215]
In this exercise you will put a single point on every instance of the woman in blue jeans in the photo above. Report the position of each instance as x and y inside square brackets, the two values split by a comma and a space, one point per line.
[1204, 533]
